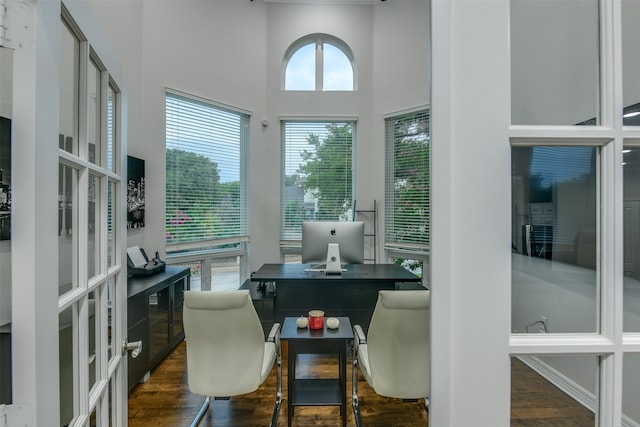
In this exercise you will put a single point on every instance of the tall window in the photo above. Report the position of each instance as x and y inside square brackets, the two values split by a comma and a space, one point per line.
[319, 62]
[206, 189]
[407, 182]
[318, 173]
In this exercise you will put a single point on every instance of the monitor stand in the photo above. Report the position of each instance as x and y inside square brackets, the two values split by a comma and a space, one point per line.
[333, 265]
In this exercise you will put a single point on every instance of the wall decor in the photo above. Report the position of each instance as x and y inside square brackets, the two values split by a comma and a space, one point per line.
[135, 192]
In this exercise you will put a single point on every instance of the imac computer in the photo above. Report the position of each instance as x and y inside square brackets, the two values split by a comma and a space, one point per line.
[331, 244]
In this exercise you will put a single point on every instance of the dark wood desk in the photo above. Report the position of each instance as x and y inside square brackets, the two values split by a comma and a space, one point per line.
[379, 273]
[154, 316]
[294, 291]
[316, 391]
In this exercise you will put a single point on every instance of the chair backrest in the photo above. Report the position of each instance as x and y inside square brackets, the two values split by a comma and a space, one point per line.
[225, 342]
[398, 344]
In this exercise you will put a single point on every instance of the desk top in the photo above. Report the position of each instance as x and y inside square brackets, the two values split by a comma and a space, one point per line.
[290, 331]
[137, 285]
[355, 272]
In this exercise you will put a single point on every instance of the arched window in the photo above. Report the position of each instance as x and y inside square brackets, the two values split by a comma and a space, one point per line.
[319, 62]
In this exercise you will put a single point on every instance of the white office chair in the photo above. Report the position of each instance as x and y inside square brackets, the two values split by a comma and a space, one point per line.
[226, 351]
[394, 355]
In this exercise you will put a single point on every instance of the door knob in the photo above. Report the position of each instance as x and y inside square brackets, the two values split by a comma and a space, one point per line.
[134, 347]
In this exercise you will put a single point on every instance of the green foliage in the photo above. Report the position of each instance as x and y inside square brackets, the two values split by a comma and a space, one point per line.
[204, 207]
[411, 179]
[328, 171]
[294, 214]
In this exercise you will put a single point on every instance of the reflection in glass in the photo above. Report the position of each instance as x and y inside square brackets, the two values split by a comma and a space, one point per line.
[93, 334]
[630, 62]
[159, 312]
[545, 34]
[631, 389]
[69, 72]
[93, 418]
[111, 205]
[93, 114]
[112, 406]
[93, 256]
[111, 126]
[178, 306]
[67, 379]
[554, 390]
[67, 228]
[111, 319]
[631, 233]
[554, 215]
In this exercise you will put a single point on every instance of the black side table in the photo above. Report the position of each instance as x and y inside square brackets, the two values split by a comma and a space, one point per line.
[317, 391]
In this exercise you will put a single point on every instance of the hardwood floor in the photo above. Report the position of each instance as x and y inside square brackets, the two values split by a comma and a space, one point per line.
[165, 401]
[537, 403]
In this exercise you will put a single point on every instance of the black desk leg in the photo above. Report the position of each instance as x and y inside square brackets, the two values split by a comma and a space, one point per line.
[291, 377]
[342, 361]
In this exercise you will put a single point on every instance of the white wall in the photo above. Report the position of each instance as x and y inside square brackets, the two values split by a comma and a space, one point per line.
[231, 52]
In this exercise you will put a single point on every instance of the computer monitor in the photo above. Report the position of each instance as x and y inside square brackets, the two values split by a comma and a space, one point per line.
[332, 243]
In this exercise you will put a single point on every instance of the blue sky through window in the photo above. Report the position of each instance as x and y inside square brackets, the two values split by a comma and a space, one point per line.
[337, 71]
[301, 69]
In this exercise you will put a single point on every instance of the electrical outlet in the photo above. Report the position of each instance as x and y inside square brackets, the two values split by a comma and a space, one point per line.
[543, 328]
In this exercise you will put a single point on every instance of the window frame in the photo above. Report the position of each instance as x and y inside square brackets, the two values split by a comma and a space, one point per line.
[205, 251]
[293, 246]
[319, 39]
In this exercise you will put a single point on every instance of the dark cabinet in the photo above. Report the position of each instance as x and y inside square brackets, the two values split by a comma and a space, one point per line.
[154, 316]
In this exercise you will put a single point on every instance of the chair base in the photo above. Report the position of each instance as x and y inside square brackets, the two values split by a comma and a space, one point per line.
[207, 403]
[201, 412]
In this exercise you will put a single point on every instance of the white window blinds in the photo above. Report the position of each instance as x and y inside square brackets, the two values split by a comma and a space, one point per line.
[206, 175]
[407, 202]
[318, 173]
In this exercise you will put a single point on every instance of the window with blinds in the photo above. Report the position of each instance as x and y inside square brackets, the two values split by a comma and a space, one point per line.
[407, 201]
[206, 189]
[318, 173]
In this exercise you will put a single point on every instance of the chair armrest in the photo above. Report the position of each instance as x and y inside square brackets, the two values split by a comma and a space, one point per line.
[274, 334]
[274, 337]
[359, 335]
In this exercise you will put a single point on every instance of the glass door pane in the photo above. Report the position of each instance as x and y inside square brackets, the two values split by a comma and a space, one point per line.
[93, 227]
[68, 379]
[111, 127]
[631, 224]
[93, 330]
[631, 62]
[554, 391]
[69, 75]
[94, 92]
[555, 285]
[67, 228]
[555, 62]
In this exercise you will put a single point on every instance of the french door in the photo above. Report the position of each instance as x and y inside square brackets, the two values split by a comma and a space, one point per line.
[91, 277]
